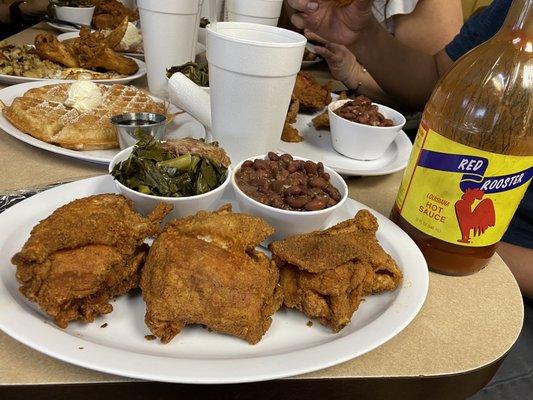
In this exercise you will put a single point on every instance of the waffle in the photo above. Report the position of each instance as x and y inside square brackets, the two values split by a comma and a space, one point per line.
[40, 112]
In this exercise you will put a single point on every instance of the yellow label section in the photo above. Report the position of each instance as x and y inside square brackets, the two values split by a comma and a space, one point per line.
[460, 194]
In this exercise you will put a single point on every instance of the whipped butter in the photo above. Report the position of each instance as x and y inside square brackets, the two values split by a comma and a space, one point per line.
[84, 96]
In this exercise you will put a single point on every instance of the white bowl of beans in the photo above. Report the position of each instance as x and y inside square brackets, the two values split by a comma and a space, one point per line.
[369, 138]
[293, 194]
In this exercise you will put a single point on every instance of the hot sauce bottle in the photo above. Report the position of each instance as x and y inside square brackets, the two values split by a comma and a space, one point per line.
[472, 159]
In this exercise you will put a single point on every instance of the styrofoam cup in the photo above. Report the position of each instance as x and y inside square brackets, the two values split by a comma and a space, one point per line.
[265, 12]
[170, 31]
[252, 70]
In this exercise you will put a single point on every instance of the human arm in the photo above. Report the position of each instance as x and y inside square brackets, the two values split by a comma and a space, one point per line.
[407, 75]
[431, 26]
[519, 260]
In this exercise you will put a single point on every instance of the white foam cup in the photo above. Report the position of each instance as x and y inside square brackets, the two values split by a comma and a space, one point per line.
[170, 30]
[252, 70]
[264, 12]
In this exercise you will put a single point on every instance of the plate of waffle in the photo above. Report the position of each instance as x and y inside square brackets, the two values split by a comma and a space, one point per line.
[36, 113]
[316, 300]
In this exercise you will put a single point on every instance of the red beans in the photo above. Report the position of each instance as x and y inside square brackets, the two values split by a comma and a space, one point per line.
[285, 183]
[362, 110]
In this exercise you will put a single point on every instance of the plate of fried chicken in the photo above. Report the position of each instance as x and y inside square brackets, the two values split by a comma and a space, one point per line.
[88, 280]
[89, 56]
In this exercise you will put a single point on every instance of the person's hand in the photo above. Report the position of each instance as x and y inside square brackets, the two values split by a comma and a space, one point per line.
[341, 25]
[342, 62]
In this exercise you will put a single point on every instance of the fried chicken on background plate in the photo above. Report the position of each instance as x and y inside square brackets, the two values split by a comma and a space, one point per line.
[325, 274]
[205, 270]
[84, 254]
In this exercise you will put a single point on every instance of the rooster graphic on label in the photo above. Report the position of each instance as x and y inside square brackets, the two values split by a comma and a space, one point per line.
[478, 219]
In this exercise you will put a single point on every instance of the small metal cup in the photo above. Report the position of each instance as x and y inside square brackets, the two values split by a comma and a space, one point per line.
[128, 125]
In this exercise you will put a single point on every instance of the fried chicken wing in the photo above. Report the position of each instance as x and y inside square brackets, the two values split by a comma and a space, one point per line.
[204, 270]
[90, 50]
[310, 94]
[49, 48]
[325, 273]
[108, 14]
[83, 255]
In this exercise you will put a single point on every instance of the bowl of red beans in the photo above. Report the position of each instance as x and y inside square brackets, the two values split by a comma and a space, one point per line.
[363, 130]
[293, 194]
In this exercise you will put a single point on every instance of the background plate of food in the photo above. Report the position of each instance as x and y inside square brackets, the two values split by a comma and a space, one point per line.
[307, 133]
[89, 57]
[120, 342]
[44, 121]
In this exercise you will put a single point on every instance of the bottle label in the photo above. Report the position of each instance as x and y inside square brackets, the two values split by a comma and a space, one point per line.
[460, 194]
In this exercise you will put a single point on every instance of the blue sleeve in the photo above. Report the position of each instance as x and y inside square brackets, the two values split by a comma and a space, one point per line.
[520, 232]
[479, 28]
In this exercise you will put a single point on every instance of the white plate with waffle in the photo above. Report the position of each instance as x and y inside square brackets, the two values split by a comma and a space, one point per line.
[12, 79]
[182, 125]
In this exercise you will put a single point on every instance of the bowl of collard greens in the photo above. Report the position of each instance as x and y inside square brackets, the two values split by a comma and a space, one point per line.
[188, 173]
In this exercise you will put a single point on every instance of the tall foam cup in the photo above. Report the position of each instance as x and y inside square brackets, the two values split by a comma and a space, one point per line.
[170, 30]
[252, 71]
[264, 12]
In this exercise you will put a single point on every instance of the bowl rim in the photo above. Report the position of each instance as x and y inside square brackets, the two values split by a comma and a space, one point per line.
[76, 7]
[379, 128]
[115, 161]
[327, 169]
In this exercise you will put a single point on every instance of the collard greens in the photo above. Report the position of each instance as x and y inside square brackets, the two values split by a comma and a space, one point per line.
[152, 169]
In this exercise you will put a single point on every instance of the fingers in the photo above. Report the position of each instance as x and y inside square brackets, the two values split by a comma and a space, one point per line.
[336, 48]
[298, 21]
[325, 53]
[314, 37]
[308, 6]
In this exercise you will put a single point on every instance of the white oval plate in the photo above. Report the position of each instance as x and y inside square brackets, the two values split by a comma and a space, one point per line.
[23, 79]
[200, 48]
[183, 125]
[289, 348]
[317, 146]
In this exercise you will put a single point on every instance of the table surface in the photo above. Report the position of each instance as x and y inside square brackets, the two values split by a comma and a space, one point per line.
[465, 324]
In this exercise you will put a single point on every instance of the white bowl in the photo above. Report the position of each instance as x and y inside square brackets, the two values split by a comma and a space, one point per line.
[286, 222]
[360, 141]
[78, 15]
[183, 206]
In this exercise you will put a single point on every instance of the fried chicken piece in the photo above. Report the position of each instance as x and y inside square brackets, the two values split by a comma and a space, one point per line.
[321, 121]
[331, 296]
[83, 255]
[310, 94]
[108, 14]
[95, 51]
[113, 38]
[294, 108]
[290, 134]
[102, 56]
[91, 50]
[199, 148]
[309, 55]
[49, 48]
[204, 270]
[324, 273]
